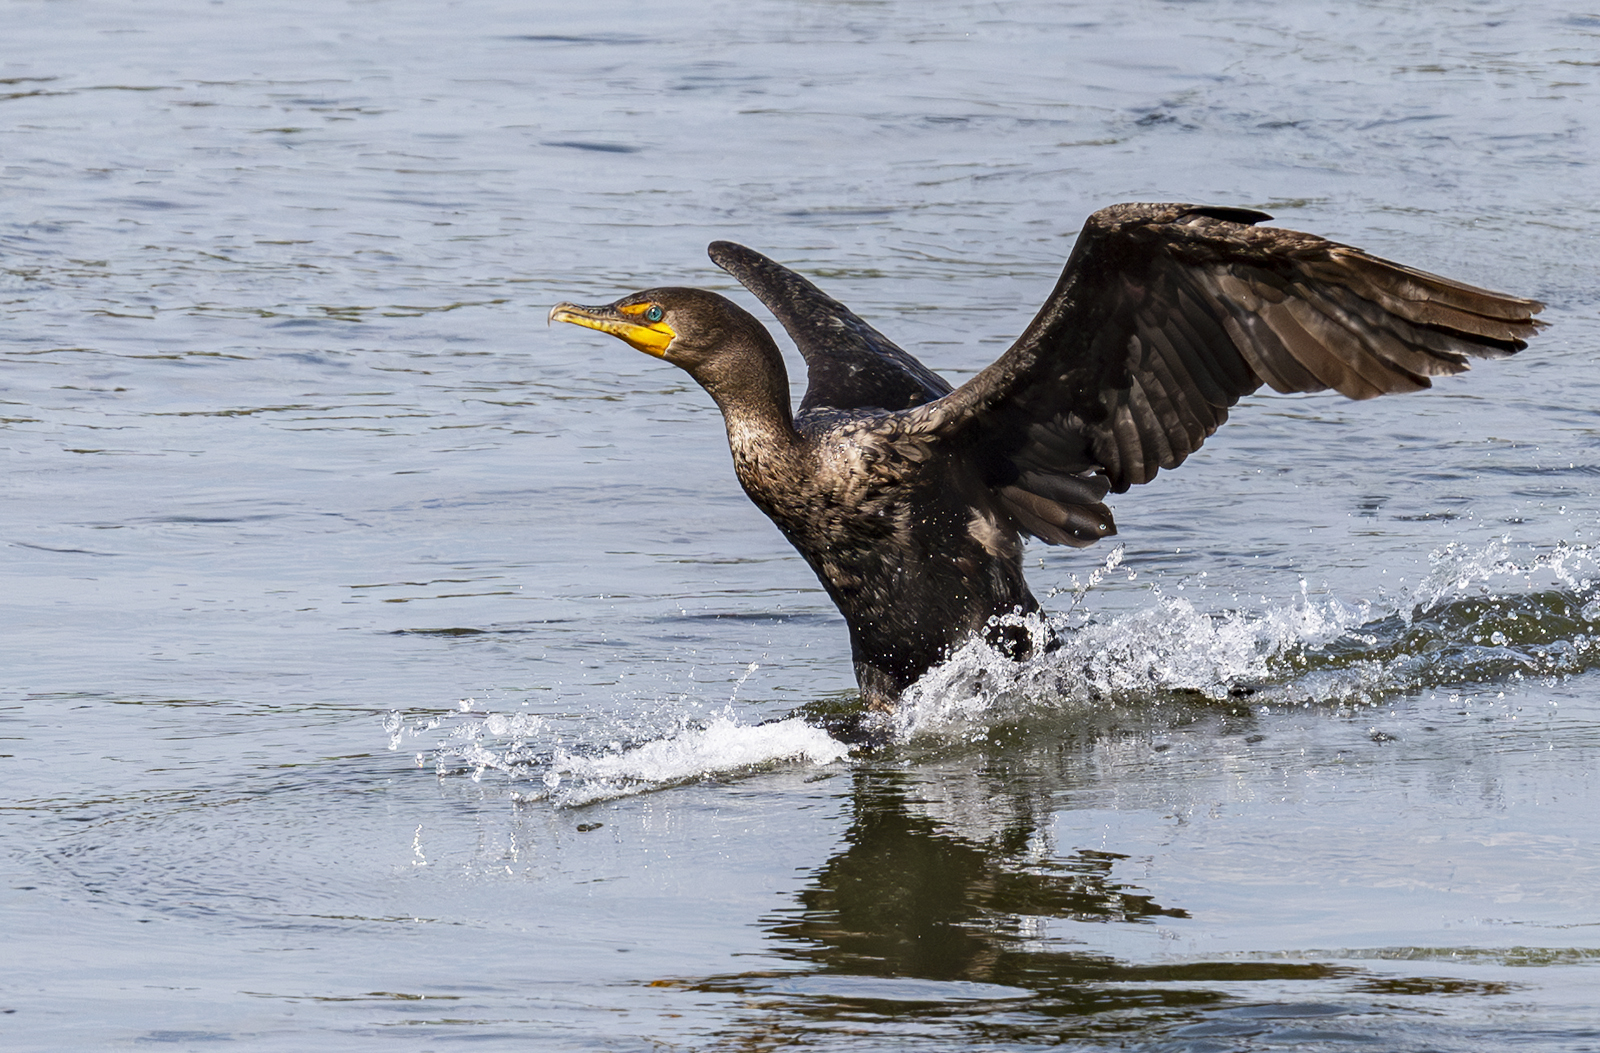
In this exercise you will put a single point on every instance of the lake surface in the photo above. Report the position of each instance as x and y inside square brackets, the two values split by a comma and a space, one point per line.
[382, 669]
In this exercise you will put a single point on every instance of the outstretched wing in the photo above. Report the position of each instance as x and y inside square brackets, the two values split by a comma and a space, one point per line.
[849, 364]
[1164, 317]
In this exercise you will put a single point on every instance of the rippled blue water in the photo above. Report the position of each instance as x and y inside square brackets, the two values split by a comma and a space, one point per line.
[383, 669]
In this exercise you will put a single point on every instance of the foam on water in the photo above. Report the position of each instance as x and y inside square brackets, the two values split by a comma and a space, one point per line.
[523, 748]
[725, 746]
[1481, 616]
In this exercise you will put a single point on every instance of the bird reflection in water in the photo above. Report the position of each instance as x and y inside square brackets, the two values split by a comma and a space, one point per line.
[934, 911]
[909, 897]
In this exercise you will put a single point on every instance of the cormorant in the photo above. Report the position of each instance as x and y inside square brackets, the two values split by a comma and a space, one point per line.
[909, 499]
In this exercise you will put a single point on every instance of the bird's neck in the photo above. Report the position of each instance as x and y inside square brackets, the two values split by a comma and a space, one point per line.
[751, 388]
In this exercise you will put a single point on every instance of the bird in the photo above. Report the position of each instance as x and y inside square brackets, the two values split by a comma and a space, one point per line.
[911, 499]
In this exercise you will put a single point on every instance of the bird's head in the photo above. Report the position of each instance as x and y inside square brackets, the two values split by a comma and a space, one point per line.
[713, 339]
[683, 326]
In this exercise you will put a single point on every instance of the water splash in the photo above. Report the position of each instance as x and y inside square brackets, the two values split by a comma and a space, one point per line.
[1482, 615]
[528, 750]
[721, 748]
[1458, 570]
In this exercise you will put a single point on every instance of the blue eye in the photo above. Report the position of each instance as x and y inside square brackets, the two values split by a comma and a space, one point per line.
[653, 314]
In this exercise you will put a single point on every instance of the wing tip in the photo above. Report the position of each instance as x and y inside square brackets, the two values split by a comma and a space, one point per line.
[727, 254]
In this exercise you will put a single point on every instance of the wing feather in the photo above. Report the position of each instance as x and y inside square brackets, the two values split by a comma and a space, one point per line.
[1189, 419]
[1199, 331]
[1166, 315]
[849, 364]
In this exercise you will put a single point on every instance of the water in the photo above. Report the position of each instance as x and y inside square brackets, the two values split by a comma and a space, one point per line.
[383, 669]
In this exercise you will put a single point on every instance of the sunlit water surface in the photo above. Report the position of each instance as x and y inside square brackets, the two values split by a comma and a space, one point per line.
[384, 670]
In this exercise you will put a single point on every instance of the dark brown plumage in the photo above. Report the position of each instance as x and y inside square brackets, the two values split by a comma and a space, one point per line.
[908, 499]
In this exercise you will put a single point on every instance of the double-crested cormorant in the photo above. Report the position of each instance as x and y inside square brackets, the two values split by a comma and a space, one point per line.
[909, 499]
